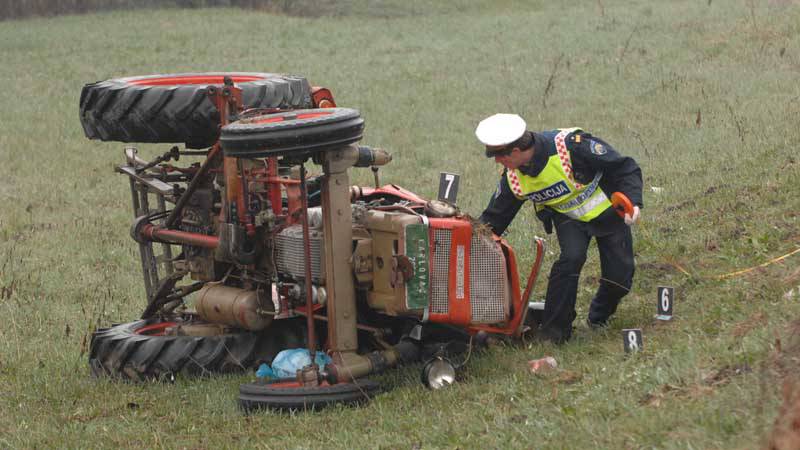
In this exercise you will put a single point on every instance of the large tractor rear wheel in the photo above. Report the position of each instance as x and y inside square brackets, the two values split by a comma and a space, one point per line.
[146, 350]
[176, 108]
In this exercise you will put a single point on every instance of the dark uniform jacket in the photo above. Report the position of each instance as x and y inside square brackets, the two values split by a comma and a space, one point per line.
[588, 155]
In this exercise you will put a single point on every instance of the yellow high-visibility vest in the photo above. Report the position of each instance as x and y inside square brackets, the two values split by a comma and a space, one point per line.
[556, 188]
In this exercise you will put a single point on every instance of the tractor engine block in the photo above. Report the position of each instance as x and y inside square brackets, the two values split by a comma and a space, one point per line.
[289, 260]
[439, 269]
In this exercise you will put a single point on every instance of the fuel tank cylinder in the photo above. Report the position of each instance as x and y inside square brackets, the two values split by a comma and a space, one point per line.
[248, 309]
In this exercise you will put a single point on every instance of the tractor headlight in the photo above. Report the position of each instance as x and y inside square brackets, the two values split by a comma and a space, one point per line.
[438, 373]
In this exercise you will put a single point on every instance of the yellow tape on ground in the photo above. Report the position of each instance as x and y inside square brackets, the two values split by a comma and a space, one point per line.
[738, 272]
[771, 261]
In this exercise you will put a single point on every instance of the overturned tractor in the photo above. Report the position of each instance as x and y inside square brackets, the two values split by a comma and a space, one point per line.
[245, 255]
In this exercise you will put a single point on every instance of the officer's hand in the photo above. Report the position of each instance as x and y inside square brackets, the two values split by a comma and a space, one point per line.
[632, 219]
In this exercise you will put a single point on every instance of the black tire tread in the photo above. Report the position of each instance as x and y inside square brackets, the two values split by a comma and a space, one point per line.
[261, 395]
[115, 110]
[120, 353]
[252, 138]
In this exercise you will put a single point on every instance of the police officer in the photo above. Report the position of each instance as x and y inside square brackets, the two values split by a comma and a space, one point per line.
[570, 176]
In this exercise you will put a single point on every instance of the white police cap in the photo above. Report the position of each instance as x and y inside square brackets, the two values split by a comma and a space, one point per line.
[500, 129]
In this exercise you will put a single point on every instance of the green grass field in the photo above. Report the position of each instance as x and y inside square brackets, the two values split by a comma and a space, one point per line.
[704, 94]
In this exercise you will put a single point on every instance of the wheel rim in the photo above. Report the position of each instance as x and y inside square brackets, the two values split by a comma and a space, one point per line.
[156, 329]
[193, 79]
[292, 384]
[290, 117]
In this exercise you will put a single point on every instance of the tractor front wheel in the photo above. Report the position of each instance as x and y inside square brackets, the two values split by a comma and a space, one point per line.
[292, 133]
[290, 395]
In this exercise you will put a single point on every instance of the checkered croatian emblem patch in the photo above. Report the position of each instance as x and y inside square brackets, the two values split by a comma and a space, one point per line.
[513, 182]
[563, 155]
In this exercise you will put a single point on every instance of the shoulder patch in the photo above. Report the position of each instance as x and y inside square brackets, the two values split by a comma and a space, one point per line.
[597, 148]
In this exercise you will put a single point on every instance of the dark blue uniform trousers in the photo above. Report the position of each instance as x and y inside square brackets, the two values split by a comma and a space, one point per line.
[615, 244]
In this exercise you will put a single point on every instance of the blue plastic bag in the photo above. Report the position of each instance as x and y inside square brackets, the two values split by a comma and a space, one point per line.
[265, 371]
[288, 362]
